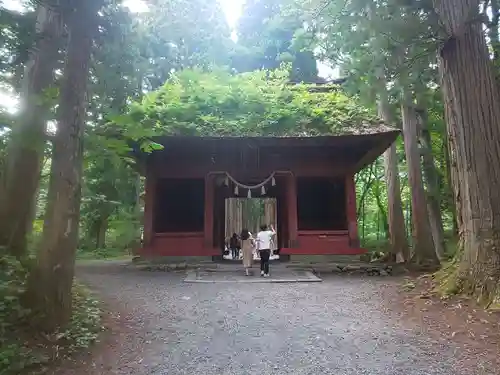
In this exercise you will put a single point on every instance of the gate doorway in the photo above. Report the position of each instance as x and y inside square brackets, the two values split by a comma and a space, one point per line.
[233, 212]
[249, 213]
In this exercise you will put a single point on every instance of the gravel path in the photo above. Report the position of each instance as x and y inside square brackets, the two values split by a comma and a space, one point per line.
[339, 327]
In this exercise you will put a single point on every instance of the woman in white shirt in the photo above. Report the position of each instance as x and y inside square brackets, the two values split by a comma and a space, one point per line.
[264, 238]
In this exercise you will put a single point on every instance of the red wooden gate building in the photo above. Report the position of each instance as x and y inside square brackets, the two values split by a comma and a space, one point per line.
[312, 179]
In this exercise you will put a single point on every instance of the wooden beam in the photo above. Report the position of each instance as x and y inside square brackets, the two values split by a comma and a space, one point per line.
[291, 203]
[208, 229]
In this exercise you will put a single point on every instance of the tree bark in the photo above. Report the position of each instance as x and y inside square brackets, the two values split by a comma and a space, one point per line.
[234, 216]
[269, 211]
[367, 185]
[451, 204]
[270, 216]
[493, 32]
[239, 216]
[432, 179]
[101, 230]
[26, 147]
[424, 253]
[474, 129]
[395, 216]
[381, 209]
[51, 281]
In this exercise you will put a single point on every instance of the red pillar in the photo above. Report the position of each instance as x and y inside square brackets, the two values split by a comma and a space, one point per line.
[291, 202]
[208, 230]
[352, 219]
[149, 199]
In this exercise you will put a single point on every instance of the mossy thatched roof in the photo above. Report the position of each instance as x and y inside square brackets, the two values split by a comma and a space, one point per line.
[221, 104]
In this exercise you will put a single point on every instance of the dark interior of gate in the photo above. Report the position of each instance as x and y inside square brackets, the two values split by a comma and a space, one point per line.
[313, 183]
[179, 205]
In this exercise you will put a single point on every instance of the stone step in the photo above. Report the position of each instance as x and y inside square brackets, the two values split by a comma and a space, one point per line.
[280, 275]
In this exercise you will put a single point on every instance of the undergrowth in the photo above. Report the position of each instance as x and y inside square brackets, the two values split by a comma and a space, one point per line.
[446, 282]
[455, 279]
[22, 347]
[377, 248]
[108, 253]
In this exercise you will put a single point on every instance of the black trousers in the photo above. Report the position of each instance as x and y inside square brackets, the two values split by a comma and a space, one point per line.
[264, 260]
[235, 252]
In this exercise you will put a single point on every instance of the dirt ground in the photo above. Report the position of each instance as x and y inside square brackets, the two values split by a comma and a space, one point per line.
[156, 324]
[460, 320]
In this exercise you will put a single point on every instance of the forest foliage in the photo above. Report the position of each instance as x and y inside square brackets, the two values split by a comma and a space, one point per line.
[259, 103]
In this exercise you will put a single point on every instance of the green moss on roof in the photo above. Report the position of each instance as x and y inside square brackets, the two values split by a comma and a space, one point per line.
[195, 103]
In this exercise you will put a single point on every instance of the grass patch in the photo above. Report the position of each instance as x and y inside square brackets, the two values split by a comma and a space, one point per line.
[22, 348]
[377, 248]
[375, 245]
[108, 253]
[446, 281]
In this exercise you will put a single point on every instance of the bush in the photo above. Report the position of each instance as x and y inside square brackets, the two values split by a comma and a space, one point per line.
[13, 276]
[85, 324]
[107, 253]
[377, 248]
[122, 237]
[21, 346]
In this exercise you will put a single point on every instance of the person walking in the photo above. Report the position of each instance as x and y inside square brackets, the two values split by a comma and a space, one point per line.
[234, 245]
[264, 238]
[247, 247]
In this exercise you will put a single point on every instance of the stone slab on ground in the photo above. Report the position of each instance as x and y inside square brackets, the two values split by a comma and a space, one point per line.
[238, 276]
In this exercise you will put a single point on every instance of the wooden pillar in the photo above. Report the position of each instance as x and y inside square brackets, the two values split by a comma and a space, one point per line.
[352, 220]
[208, 229]
[149, 203]
[270, 217]
[291, 203]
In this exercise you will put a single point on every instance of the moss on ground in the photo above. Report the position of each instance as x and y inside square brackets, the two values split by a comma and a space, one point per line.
[453, 280]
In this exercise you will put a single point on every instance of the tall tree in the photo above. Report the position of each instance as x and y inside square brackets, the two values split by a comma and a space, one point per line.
[52, 279]
[183, 33]
[431, 176]
[492, 25]
[365, 36]
[26, 147]
[473, 118]
[135, 54]
[267, 35]
[424, 252]
[396, 221]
